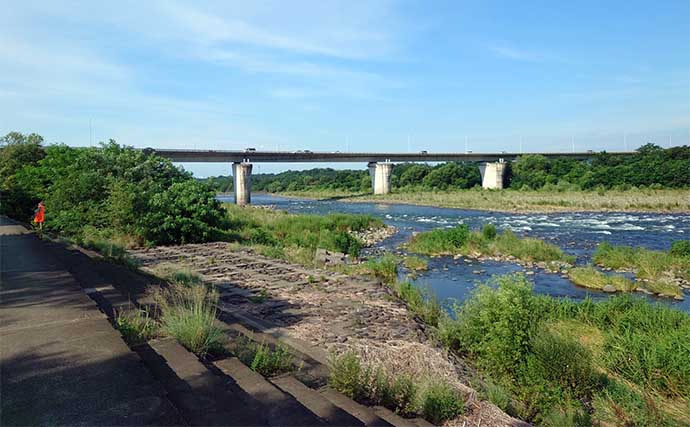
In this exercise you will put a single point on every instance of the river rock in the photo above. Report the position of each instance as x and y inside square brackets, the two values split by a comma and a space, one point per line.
[609, 288]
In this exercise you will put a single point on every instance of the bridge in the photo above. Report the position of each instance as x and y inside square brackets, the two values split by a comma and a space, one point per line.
[491, 165]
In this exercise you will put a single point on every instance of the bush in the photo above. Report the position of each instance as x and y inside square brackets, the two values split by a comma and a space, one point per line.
[436, 242]
[441, 403]
[347, 375]
[590, 277]
[680, 248]
[189, 315]
[494, 326]
[384, 268]
[489, 231]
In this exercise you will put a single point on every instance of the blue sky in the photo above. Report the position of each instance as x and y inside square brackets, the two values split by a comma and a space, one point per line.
[357, 75]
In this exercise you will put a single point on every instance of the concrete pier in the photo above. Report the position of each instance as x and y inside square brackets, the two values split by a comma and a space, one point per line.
[372, 173]
[242, 183]
[382, 177]
[492, 174]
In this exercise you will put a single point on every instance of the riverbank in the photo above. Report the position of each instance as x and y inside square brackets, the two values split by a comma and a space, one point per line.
[647, 200]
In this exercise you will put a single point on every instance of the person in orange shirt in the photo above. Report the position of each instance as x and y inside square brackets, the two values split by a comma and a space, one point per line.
[40, 215]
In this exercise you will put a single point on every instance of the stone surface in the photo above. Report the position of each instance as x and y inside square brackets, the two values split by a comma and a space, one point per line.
[609, 288]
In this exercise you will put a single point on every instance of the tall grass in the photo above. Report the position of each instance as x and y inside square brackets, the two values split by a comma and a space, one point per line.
[567, 362]
[282, 230]
[262, 358]
[189, 315]
[432, 398]
[176, 274]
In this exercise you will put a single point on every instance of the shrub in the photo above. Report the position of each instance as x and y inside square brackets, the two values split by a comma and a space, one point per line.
[415, 263]
[421, 302]
[384, 268]
[680, 248]
[346, 375]
[189, 315]
[494, 326]
[489, 231]
[440, 403]
[434, 242]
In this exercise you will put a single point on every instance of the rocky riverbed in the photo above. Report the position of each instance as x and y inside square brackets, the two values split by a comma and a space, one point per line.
[328, 310]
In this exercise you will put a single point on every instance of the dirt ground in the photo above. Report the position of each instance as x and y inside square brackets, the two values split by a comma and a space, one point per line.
[328, 310]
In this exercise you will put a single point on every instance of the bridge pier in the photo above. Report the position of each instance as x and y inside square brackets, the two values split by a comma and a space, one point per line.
[380, 174]
[241, 173]
[492, 174]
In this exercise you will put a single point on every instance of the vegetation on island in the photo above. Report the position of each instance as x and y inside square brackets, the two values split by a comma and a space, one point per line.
[459, 240]
[647, 264]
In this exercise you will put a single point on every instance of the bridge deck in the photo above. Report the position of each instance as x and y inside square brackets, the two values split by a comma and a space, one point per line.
[210, 156]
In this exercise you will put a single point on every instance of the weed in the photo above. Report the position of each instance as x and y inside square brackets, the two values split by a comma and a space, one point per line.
[260, 297]
[135, 325]
[440, 402]
[189, 315]
[270, 362]
[590, 277]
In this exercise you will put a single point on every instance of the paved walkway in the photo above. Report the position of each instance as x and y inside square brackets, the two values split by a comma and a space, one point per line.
[61, 361]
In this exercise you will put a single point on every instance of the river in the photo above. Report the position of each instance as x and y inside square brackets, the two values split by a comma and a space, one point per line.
[577, 233]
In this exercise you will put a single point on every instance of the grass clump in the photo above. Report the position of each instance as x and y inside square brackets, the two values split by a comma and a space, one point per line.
[433, 399]
[270, 362]
[590, 277]
[680, 248]
[414, 263]
[136, 325]
[421, 302]
[177, 275]
[189, 315]
[460, 240]
[441, 402]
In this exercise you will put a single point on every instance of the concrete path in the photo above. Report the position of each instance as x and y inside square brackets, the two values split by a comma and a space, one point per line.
[61, 361]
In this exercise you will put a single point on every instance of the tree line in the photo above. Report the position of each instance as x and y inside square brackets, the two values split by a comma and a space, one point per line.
[652, 166]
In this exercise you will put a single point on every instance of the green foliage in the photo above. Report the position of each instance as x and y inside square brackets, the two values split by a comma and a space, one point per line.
[270, 362]
[489, 231]
[680, 248]
[420, 302]
[459, 240]
[434, 399]
[189, 315]
[285, 231]
[384, 268]
[414, 263]
[647, 264]
[136, 325]
[439, 241]
[590, 277]
[567, 363]
[177, 275]
[440, 403]
[111, 187]
[347, 375]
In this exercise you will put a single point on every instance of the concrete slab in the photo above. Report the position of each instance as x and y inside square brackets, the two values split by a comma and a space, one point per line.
[62, 362]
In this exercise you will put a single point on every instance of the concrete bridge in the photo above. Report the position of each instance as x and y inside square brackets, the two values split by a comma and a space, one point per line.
[491, 165]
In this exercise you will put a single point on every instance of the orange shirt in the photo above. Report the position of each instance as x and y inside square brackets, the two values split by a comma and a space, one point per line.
[40, 215]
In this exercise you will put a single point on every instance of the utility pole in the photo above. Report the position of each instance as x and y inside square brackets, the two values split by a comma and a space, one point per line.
[625, 140]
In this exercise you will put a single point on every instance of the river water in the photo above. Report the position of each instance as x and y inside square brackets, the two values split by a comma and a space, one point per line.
[576, 233]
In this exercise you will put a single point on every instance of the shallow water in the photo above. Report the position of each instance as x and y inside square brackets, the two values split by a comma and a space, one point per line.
[576, 233]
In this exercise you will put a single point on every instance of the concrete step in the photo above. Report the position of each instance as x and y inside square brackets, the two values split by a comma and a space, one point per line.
[399, 421]
[363, 413]
[201, 396]
[281, 409]
[314, 401]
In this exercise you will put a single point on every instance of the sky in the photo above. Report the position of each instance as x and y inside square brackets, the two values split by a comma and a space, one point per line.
[348, 75]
